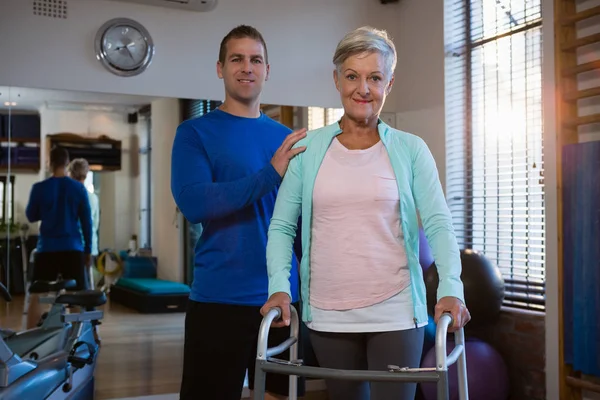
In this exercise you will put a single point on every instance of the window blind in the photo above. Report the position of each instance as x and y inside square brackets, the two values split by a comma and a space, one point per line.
[494, 148]
[197, 108]
[319, 117]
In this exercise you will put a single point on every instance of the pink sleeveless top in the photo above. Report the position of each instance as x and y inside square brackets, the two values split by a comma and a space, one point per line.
[357, 253]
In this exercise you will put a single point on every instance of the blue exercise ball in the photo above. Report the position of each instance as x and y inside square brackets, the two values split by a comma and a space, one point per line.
[428, 337]
[425, 253]
[487, 373]
[430, 330]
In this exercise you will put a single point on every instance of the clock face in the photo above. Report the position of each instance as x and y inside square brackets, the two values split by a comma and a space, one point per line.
[124, 47]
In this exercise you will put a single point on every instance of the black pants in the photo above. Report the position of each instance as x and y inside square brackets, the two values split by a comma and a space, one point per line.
[220, 344]
[68, 264]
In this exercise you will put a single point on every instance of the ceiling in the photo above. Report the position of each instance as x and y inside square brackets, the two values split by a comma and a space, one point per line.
[19, 98]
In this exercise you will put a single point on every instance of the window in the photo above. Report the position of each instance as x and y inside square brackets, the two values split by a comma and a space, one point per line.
[7, 201]
[319, 117]
[494, 149]
[145, 182]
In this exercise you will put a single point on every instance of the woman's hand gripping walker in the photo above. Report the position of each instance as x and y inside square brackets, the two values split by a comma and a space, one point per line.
[294, 368]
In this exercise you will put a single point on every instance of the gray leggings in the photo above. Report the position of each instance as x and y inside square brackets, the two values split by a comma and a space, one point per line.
[369, 351]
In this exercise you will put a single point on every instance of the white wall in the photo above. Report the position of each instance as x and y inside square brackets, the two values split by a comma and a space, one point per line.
[166, 244]
[301, 36]
[23, 183]
[119, 190]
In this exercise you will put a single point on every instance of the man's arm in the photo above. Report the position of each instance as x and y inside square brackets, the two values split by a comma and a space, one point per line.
[85, 219]
[198, 197]
[32, 211]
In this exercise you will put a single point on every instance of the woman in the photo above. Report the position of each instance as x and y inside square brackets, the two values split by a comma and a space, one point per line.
[78, 170]
[360, 186]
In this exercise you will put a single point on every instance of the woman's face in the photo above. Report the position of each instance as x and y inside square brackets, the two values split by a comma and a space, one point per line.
[363, 84]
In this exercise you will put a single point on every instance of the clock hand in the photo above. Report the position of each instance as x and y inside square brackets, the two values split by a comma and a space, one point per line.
[129, 52]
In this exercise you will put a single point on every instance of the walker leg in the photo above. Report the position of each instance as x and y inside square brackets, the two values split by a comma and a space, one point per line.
[461, 365]
[293, 378]
[442, 386]
[259, 381]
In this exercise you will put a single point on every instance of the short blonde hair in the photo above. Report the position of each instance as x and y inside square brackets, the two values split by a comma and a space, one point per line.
[79, 169]
[366, 39]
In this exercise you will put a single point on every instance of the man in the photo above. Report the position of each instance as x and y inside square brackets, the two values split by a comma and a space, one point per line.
[226, 168]
[78, 170]
[62, 206]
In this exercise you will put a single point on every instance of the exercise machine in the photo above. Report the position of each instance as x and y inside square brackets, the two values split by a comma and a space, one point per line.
[265, 362]
[54, 329]
[65, 373]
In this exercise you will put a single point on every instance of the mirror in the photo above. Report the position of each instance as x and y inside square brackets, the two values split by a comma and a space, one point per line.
[127, 141]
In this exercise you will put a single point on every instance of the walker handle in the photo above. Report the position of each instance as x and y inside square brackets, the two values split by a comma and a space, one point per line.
[263, 352]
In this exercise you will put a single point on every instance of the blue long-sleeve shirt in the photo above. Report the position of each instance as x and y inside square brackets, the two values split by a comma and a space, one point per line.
[222, 178]
[62, 206]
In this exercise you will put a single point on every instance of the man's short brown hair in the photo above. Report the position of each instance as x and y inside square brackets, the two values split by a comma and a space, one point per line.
[240, 32]
[59, 157]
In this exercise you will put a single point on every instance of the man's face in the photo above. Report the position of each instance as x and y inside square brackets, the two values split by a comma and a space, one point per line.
[244, 70]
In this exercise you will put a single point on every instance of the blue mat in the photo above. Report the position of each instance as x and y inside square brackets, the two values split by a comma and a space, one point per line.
[153, 286]
[581, 256]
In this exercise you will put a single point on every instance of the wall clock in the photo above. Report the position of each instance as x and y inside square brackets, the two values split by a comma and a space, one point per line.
[124, 47]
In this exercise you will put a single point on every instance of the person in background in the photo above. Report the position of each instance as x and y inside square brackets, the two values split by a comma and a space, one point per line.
[226, 167]
[361, 185]
[78, 170]
[62, 207]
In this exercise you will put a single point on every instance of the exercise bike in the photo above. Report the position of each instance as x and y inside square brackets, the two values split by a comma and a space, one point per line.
[53, 330]
[62, 373]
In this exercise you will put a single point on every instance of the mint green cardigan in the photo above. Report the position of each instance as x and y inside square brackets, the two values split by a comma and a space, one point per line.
[419, 188]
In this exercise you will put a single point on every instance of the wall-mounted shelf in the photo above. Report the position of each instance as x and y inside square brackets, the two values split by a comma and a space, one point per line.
[102, 153]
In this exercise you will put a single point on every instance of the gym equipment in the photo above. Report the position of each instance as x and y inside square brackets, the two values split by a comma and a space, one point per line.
[107, 271]
[485, 367]
[425, 253]
[67, 373]
[109, 263]
[151, 295]
[483, 286]
[265, 362]
[52, 332]
[140, 289]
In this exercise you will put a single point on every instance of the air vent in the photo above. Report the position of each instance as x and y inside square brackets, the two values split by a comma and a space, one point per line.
[188, 5]
[50, 8]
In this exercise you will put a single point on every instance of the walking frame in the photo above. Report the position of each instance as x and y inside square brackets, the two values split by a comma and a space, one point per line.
[266, 363]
